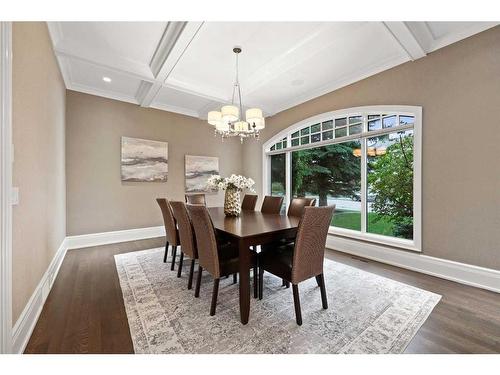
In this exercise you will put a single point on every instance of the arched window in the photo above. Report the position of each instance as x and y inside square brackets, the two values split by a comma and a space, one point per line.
[365, 160]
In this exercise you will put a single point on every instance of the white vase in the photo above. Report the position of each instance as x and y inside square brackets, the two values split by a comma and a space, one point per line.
[232, 204]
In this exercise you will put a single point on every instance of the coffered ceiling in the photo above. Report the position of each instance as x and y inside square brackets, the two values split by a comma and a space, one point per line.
[188, 67]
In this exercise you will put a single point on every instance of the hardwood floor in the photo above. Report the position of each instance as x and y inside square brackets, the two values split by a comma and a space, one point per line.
[84, 312]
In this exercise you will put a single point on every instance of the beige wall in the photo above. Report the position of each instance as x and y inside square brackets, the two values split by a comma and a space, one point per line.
[98, 201]
[459, 90]
[39, 221]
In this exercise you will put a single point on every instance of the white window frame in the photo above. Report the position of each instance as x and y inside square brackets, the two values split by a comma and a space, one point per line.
[415, 111]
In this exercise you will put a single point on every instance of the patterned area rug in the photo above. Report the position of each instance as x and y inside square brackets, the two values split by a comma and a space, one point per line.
[367, 313]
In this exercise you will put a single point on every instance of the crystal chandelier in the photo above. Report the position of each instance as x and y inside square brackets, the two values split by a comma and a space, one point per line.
[228, 121]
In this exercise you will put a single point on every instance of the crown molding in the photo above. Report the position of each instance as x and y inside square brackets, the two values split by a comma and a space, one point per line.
[175, 109]
[413, 38]
[106, 94]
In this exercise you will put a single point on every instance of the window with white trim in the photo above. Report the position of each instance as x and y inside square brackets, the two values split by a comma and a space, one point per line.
[365, 160]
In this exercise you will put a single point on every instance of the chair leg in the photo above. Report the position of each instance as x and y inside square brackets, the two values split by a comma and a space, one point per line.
[296, 302]
[235, 278]
[261, 283]
[180, 264]
[191, 271]
[324, 301]
[287, 284]
[166, 253]
[318, 281]
[255, 280]
[198, 282]
[174, 250]
[215, 292]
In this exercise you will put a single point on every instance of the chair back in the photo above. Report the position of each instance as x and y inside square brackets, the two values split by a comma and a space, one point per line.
[271, 204]
[196, 199]
[309, 251]
[249, 202]
[186, 232]
[169, 221]
[206, 241]
[297, 205]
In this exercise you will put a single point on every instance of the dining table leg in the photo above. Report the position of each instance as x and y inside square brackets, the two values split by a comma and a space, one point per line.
[244, 263]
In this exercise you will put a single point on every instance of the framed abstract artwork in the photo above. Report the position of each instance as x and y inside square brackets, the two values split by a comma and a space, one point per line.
[198, 170]
[144, 160]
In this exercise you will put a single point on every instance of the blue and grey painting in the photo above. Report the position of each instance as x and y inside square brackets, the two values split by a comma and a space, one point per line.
[144, 160]
[198, 170]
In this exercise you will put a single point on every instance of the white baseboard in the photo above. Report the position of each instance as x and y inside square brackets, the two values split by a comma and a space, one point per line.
[446, 269]
[96, 239]
[479, 277]
[21, 332]
[23, 328]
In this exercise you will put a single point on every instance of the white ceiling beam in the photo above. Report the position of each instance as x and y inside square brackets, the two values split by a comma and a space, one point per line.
[423, 34]
[175, 40]
[172, 32]
[406, 40]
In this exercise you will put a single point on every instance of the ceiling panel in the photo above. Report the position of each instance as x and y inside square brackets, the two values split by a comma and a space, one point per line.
[282, 64]
[86, 76]
[126, 46]
[209, 63]
[368, 49]
[136, 41]
[441, 29]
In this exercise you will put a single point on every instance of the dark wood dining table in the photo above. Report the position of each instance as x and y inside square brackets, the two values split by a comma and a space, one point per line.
[251, 228]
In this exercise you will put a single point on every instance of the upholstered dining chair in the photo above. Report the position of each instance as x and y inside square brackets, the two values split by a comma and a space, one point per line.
[170, 229]
[297, 205]
[249, 202]
[296, 209]
[302, 260]
[219, 260]
[196, 199]
[187, 239]
[271, 204]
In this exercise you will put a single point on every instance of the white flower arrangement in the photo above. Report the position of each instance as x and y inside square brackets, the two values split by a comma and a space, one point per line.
[238, 182]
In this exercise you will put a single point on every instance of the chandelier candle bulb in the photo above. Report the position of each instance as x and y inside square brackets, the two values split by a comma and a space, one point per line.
[241, 126]
[214, 117]
[222, 126]
[258, 123]
[255, 119]
[230, 113]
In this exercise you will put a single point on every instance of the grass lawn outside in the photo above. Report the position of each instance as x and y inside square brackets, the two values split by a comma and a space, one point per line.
[352, 220]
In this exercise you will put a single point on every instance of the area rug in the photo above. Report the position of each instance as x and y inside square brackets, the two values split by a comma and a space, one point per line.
[367, 313]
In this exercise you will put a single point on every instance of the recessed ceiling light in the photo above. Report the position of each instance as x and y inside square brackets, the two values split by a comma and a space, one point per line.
[106, 79]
